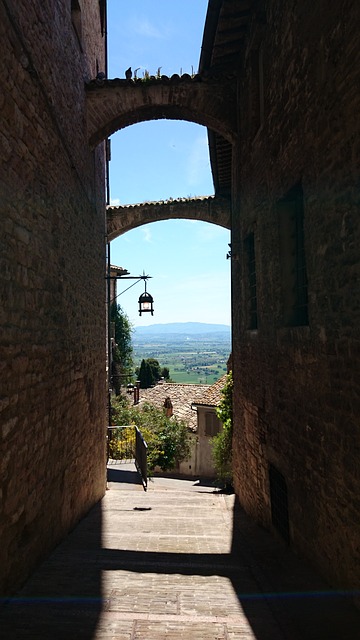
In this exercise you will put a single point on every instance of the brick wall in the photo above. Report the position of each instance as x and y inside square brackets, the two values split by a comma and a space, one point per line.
[52, 287]
[297, 388]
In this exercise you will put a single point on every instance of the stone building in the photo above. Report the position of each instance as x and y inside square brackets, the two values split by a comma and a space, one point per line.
[195, 404]
[52, 284]
[278, 90]
[208, 426]
[293, 178]
[176, 399]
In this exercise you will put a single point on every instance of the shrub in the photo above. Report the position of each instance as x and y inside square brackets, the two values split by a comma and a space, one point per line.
[122, 443]
[167, 438]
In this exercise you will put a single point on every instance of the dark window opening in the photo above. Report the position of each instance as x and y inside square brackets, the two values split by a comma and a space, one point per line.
[292, 258]
[279, 503]
[212, 424]
[102, 8]
[251, 280]
[256, 93]
[76, 20]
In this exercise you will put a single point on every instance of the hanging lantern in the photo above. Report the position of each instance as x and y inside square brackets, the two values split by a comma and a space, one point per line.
[146, 303]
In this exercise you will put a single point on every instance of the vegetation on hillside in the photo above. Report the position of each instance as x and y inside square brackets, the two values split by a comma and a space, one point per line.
[196, 361]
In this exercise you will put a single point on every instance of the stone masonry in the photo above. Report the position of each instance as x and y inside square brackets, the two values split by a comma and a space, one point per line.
[297, 384]
[295, 236]
[279, 83]
[114, 104]
[52, 286]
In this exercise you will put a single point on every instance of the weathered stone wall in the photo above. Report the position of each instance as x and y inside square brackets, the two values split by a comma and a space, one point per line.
[52, 286]
[297, 389]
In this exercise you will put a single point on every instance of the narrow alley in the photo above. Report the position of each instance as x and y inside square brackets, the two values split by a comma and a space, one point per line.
[171, 563]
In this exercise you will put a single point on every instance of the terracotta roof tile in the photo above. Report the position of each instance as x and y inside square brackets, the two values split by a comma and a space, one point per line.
[182, 396]
[212, 396]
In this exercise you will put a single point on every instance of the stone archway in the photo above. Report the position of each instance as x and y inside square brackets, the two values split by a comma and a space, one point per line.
[207, 100]
[211, 209]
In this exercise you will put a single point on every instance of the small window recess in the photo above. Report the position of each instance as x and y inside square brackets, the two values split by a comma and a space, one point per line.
[76, 20]
[279, 503]
[292, 258]
[261, 86]
[256, 93]
[252, 313]
[102, 10]
[212, 424]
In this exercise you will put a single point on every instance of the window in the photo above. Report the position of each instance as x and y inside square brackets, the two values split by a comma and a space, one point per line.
[212, 424]
[252, 314]
[279, 503]
[102, 9]
[76, 19]
[292, 258]
[256, 94]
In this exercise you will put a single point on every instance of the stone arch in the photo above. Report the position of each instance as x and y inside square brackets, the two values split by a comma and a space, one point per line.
[115, 104]
[213, 209]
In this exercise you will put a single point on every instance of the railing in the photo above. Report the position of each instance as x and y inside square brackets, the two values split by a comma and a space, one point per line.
[126, 442]
[121, 442]
[141, 457]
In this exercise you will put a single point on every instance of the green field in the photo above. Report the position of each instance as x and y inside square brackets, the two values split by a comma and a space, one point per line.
[188, 362]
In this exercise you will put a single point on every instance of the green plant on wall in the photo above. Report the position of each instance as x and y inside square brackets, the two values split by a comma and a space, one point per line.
[222, 442]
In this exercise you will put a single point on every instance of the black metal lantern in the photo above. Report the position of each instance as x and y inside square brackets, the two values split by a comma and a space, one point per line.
[146, 303]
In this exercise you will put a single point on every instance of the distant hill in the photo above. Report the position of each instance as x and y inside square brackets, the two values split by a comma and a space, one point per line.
[187, 328]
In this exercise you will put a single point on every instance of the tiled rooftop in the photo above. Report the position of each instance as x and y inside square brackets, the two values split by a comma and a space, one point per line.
[212, 396]
[156, 203]
[181, 395]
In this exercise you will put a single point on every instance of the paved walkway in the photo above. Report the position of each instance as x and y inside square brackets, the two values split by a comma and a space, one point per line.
[166, 564]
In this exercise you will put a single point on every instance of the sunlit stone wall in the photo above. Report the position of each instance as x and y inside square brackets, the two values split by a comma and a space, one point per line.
[52, 287]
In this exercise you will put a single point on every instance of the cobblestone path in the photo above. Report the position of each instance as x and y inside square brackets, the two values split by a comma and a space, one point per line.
[170, 563]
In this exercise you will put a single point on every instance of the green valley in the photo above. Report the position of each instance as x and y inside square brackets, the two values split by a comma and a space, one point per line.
[199, 358]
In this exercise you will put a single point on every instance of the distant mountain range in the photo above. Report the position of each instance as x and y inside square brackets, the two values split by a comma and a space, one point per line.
[187, 328]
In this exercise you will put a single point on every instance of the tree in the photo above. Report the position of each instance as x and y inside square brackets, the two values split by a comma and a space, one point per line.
[154, 368]
[122, 355]
[165, 373]
[149, 373]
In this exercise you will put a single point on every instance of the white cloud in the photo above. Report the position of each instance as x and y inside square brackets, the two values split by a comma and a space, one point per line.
[115, 202]
[143, 27]
[147, 237]
[210, 232]
[198, 163]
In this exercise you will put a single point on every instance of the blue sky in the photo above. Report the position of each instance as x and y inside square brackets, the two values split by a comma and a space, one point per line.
[165, 159]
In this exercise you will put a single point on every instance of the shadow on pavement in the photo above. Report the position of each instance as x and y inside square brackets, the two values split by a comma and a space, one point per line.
[305, 606]
[62, 600]
[124, 476]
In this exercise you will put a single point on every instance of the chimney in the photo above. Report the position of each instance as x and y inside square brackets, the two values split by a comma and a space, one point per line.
[168, 407]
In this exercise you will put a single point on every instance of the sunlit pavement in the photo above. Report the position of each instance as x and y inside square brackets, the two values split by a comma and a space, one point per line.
[166, 564]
